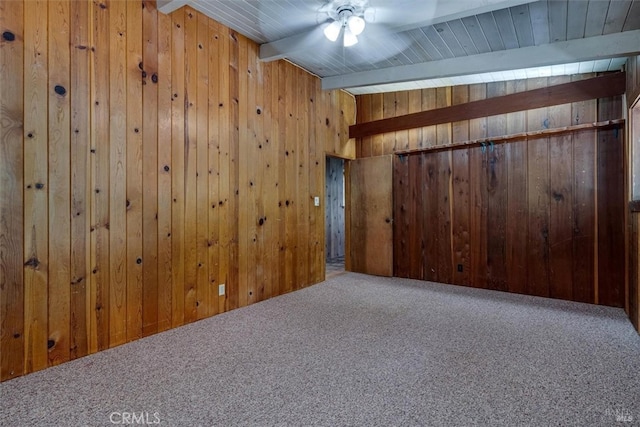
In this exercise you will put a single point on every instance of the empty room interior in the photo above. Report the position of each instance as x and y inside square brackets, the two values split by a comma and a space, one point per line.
[319, 212]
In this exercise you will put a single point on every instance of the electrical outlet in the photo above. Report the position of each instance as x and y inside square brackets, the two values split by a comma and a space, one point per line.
[221, 289]
[316, 201]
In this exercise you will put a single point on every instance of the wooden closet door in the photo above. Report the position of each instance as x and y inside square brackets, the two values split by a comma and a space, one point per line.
[371, 215]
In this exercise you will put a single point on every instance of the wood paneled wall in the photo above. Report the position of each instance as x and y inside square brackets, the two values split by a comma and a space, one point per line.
[633, 79]
[522, 217]
[378, 106]
[634, 270]
[146, 159]
[633, 176]
[334, 208]
[542, 217]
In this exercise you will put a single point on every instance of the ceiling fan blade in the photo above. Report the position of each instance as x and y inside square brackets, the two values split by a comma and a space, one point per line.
[396, 15]
[325, 8]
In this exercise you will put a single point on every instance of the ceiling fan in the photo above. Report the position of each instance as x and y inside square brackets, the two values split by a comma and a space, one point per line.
[347, 18]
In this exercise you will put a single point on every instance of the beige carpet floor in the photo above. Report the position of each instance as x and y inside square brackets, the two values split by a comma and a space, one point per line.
[356, 350]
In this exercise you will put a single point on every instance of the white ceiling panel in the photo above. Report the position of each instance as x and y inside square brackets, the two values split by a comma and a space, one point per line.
[421, 33]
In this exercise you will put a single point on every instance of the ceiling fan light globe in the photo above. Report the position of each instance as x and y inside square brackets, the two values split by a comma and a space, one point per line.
[349, 38]
[332, 31]
[356, 25]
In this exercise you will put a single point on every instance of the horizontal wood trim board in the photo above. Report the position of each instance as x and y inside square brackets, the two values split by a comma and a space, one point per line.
[598, 87]
[519, 136]
[634, 206]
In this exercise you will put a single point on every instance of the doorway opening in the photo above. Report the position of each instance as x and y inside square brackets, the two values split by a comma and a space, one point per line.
[334, 216]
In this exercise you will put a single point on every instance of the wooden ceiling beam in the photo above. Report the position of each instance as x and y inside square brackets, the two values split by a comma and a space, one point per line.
[598, 87]
[566, 52]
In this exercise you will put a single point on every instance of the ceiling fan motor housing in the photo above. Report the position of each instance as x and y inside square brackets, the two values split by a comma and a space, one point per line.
[339, 10]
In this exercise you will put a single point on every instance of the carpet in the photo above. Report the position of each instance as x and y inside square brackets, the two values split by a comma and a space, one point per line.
[356, 350]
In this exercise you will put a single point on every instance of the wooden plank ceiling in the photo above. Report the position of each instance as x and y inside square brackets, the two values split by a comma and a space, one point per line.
[413, 32]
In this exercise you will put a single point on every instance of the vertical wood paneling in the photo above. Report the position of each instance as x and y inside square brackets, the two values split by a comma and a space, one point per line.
[253, 205]
[388, 140]
[269, 106]
[428, 132]
[126, 193]
[283, 122]
[290, 218]
[100, 172]
[497, 185]
[316, 179]
[343, 146]
[234, 175]
[477, 191]
[610, 160]
[417, 247]
[213, 205]
[427, 173]
[243, 172]
[165, 280]
[538, 202]
[363, 108]
[584, 198]
[531, 192]
[203, 297]
[321, 226]
[80, 173]
[540, 212]
[561, 201]
[374, 112]
[632, 168]
[262, 189]
[633, 79]
[610, 215]
[517, 172]
[444, 183]
[415, 106]
[314, 187]
[516, 225]
[443, 131]
[134, 175]
[460, 220]
[302, 182]
[12, 291]
[402, 108]
[444, 237]
[224, 108]
[460, 194]
[190, 144]
[584, 204]
[149, 168]
[538, 217]
[118, 178]
[561, 213]
[36, 186]
[401, 222]
[59, 183]
[178, 171]
[634, 271]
